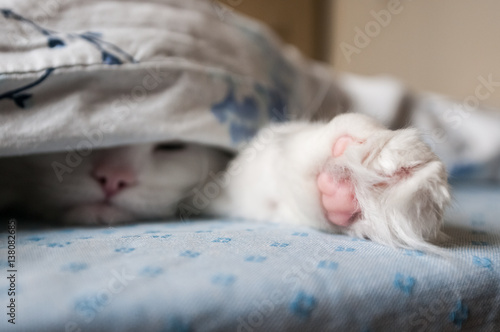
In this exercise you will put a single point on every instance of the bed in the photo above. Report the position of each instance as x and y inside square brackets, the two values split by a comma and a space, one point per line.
[68, 83]
[233, 275]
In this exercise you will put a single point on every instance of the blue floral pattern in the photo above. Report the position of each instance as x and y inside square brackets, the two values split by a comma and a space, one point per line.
[265, 277]
[246, 115]
[19, 96]
[111, 54]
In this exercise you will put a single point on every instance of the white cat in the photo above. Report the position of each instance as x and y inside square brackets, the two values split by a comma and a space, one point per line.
[350, 175]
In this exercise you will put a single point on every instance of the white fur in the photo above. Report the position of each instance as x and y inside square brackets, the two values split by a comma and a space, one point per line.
[272, 179]
[408, 212]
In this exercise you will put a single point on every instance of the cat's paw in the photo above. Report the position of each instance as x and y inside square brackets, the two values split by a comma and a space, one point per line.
[338, 197]
[381, 184]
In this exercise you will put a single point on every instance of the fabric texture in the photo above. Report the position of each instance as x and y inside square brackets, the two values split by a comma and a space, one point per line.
[148, 71]
[229, 275]
[140, 71]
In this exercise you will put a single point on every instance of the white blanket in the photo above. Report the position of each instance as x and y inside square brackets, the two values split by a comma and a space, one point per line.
[105, 73]
[80, 75]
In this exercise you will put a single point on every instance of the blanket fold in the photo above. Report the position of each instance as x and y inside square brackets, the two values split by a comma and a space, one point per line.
[93, 74]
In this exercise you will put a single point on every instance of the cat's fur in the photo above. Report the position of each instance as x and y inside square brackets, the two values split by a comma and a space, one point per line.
[396, 187]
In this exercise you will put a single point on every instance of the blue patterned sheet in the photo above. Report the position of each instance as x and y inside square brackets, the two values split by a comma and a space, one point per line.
[235, 275]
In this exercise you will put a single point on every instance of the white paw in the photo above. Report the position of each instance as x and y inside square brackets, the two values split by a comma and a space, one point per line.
[384, 185]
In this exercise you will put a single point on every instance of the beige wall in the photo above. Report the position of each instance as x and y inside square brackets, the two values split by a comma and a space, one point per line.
[293, 20]
[442, 46]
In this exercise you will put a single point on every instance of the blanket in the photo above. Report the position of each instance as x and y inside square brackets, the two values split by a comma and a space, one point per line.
[82, 75]
[92, 74]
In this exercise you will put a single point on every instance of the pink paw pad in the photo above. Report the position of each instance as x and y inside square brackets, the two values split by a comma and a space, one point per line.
[337, 194]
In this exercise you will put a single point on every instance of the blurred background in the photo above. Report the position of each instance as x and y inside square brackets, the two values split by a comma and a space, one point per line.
[447, 46]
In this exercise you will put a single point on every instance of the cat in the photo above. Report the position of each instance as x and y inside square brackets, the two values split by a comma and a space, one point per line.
[350, 175]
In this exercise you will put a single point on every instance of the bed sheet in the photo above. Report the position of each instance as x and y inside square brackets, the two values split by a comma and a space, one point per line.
[234, 275]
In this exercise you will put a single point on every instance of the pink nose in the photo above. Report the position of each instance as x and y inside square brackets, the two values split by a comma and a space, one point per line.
[113, 180]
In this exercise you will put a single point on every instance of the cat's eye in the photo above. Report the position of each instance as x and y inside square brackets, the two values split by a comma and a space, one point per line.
[170, 146]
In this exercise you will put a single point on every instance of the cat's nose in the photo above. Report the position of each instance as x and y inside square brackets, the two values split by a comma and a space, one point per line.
[114, 180]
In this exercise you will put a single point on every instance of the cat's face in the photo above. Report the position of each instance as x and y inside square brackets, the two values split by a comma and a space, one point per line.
[140, 182]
